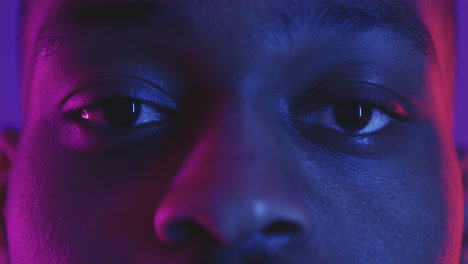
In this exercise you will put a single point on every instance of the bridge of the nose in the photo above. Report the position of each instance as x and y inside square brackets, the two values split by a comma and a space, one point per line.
[237, 181]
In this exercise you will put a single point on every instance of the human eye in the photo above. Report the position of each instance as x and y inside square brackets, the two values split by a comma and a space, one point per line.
[352, 112]
[121, 113]
[355, 117]
[119, 105]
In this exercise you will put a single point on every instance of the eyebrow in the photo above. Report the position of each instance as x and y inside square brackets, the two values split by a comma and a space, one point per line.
[154, 15]
[349, 17]
[346, 17]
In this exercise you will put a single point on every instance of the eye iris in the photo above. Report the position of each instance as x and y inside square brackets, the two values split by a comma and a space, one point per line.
[352, 116]
[121, 112]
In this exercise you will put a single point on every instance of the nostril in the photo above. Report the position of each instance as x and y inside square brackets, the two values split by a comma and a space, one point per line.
[184, 231]
[282, 228]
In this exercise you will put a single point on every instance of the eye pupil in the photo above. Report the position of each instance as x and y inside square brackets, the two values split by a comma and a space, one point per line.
[352, 116]
[121, 112]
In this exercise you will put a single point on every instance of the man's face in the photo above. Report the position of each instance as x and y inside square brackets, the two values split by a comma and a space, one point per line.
[234, 132]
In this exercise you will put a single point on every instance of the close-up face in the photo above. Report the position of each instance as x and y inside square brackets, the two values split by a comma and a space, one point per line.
[235, 132]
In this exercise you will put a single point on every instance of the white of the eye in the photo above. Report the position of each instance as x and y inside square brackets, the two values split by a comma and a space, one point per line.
[378, 120]
[325, 117]
[148, 114]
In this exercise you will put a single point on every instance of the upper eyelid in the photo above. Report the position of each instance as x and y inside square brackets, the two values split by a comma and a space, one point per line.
[101, 101]
[113, 87]
[355, 85]
[340, 91]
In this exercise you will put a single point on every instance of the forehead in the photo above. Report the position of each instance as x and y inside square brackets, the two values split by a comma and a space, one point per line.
[47, 18]
[238, 25]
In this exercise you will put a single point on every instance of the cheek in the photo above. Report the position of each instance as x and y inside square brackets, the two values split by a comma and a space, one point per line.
[452, 191]
[34, 222]
[406, 199]
[63, 203]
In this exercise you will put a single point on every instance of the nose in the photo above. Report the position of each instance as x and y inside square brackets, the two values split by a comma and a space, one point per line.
[238, 182]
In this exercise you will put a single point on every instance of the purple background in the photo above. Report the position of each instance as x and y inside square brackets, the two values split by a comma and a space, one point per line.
[9, 69]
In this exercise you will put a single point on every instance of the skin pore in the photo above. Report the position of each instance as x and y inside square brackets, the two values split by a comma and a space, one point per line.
[234, 132]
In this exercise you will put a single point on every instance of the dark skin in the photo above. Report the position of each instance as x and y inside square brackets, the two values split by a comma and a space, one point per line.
[222, 136]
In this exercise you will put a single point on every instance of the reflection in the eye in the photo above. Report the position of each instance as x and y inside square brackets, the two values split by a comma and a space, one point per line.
[85, 114]
[353, 116]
